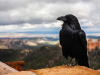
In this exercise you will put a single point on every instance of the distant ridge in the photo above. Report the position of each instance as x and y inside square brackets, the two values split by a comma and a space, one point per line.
[93, 37]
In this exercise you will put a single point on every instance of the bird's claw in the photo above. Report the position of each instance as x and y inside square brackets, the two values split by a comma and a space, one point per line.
[69, 64]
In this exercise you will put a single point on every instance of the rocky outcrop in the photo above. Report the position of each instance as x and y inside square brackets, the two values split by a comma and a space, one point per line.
[92, 45]
[16, 65]
[12, 43]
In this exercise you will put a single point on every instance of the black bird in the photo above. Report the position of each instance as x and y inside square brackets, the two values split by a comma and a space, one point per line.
[73, 40]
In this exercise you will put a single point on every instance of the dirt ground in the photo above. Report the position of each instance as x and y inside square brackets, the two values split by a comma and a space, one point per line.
[60, 70]
[66, 70]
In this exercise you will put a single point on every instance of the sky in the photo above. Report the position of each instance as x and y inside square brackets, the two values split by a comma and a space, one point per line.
[37, 18]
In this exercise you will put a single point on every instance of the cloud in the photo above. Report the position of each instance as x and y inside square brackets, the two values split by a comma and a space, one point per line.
[25, 27]
[38, 13]
[19, 35]
[94, 34]
[92, 29]
[33, 15]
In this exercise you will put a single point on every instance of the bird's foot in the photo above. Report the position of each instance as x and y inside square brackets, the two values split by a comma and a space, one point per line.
[74, 64]
[69, 64]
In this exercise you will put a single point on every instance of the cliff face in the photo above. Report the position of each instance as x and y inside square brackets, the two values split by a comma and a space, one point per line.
[16, 65]
[91, 45]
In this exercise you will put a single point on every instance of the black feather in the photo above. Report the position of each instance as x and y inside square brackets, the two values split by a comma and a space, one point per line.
[73, 40]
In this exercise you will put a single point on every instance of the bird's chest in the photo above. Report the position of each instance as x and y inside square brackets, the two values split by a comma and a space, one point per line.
[67, 37]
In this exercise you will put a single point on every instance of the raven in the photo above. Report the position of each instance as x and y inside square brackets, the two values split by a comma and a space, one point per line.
[73, 40]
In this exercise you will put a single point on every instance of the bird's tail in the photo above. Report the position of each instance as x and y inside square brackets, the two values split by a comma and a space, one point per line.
[83, 62]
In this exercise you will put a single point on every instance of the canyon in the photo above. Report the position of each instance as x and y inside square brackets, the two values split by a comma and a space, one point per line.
[91, 45]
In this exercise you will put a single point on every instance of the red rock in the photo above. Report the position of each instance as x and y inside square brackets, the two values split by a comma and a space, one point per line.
[91, 45]
[16, 65]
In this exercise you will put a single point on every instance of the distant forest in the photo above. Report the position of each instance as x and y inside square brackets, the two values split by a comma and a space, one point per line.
[45, 57]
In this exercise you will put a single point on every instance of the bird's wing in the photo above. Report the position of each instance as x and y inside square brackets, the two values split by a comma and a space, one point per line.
[82, 37]
[83, 40]
[60, 38]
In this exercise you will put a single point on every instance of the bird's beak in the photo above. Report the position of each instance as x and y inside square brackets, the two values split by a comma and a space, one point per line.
[62, 18]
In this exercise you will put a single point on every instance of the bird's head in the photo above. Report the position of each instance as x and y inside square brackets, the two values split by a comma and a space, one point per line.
[62, 18]
[70, 20]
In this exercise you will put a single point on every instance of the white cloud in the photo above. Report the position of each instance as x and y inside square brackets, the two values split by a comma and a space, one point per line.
[92, 29]
[29, 26]
[19, 35]
[44, 12]
[11, 35]
[94, 34]
[9, 27]
[88, 23]
[32, 15]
